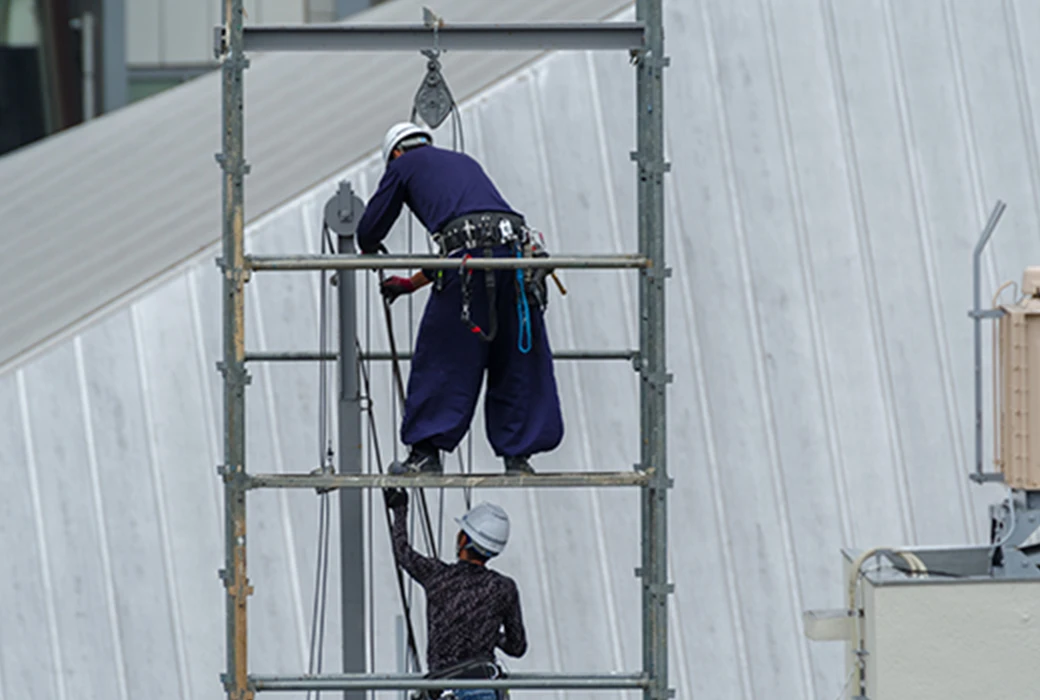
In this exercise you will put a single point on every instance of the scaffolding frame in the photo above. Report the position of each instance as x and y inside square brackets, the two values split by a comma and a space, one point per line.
[644, 39]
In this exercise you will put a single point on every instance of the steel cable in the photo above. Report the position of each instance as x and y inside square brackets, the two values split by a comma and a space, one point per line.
[325, 456]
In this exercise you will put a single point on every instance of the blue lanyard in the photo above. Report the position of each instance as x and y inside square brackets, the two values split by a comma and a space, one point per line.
[523, 312]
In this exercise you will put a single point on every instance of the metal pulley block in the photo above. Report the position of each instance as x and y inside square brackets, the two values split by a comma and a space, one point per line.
[343, 210]
[433, 99]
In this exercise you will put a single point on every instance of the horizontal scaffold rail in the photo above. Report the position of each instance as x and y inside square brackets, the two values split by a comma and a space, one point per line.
[516, 681]
[560, 36]
[433, 262]
[498, 481]
[314, 356]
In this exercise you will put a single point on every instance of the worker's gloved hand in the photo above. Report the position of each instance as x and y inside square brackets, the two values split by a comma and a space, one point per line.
[393, 287]
[395, 498]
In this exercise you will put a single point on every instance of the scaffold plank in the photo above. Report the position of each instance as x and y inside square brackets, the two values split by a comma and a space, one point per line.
[363, 481]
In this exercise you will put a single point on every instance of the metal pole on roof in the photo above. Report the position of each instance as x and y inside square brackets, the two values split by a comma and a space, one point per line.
[233, 367]
[351, 520]
[977, 315]
[651, 168]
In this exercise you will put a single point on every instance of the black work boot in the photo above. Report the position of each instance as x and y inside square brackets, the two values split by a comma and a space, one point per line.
[422, 459]
[518, 465]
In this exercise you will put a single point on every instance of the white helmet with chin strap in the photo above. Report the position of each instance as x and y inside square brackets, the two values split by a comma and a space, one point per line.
[401, 132]
[487, 527]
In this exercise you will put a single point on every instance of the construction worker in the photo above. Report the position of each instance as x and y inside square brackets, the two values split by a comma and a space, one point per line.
[473, 322]
[470, 609]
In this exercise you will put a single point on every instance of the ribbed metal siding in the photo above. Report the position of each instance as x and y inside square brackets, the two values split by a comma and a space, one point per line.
[832, 163]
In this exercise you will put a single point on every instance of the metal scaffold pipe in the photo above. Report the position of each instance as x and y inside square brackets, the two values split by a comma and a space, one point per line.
[498, 481]
[430, 262]
[377, 356]
[519, 681]
[977, 314]
[233, 163]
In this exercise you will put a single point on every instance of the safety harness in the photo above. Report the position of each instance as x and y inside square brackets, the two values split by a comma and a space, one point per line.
[465, 670]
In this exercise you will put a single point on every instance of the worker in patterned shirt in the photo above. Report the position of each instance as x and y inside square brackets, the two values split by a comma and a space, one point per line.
[470, 609]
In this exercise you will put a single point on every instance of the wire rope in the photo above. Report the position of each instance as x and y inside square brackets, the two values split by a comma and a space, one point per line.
[319, 607]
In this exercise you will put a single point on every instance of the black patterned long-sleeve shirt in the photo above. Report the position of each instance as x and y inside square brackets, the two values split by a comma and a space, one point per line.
[470, 609]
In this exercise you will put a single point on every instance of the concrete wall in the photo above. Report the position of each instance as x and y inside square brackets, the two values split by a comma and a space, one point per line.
[160, 32]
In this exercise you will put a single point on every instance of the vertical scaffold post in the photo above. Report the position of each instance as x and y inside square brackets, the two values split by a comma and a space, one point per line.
[654, 378]
[232, 160]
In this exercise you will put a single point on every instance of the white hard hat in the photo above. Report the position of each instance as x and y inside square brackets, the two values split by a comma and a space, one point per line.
[487, 526]
[398, 133]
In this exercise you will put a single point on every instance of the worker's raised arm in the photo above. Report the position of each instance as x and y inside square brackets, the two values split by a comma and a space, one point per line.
[418, 567]
[514, 638]
[381, 211]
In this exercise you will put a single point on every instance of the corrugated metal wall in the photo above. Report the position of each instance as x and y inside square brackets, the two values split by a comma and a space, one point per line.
[832, 164]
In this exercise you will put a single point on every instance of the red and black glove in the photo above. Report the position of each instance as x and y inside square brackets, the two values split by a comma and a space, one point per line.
[393, 287]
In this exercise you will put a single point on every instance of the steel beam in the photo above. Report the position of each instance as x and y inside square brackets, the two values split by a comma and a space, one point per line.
[377, 356]
[517, 681]
[576, 36]
[287, 263]
[498, 481]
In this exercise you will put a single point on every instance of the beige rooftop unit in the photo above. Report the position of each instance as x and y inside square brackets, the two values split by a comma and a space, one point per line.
[1018, 386]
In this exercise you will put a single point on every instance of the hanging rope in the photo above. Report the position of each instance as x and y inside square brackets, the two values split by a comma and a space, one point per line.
[326, 454]
[395, 360]
[373, 436]
[458, 143]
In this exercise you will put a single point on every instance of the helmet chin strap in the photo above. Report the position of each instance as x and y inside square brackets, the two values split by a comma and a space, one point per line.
[470, 545]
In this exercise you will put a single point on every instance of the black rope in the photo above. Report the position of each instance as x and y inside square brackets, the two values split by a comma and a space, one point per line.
[395, 361]
[413, 648]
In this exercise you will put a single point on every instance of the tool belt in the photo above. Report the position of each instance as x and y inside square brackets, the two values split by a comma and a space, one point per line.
[481, 229]
[485, 231]
[465, 670]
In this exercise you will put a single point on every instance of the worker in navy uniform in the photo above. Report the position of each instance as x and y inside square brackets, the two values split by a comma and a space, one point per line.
[473, 322]
[470, 609]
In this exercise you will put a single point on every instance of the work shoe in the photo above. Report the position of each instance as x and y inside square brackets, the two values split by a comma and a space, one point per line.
[419, 461]
[518, 465]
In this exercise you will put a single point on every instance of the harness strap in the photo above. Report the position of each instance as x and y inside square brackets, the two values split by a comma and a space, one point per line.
[465, 279]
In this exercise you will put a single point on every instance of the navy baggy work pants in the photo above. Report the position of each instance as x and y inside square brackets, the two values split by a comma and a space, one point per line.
[521, 406]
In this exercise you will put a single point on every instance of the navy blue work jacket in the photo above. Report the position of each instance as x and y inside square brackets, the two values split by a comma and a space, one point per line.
[438, 185]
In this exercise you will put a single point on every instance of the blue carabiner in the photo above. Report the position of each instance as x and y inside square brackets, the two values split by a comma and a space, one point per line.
[523, 312]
